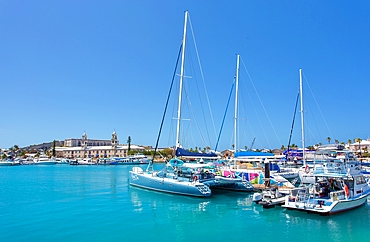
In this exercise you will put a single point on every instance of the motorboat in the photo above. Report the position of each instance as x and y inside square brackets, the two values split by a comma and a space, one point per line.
[44, 160]
[335, 190]
[269, 198]
[9, 162]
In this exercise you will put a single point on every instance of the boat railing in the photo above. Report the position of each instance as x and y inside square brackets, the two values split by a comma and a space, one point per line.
[337, 195]
[301, 197]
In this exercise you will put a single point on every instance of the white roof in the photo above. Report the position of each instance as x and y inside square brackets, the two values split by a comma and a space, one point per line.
[363, 142]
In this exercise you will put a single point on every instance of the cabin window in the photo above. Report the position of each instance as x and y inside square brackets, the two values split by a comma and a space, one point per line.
[360, 180]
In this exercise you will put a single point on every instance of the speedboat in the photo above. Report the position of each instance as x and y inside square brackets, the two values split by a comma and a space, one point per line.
[269, 198]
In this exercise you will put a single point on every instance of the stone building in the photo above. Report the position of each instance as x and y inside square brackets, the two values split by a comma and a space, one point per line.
[86, 148]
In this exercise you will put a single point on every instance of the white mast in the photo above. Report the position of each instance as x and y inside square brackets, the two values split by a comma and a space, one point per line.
[181, 80]
[302, 115]
[236, 101]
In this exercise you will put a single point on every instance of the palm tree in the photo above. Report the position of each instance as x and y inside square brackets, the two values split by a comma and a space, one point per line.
[328, 139]
[359, 144]
[336, 141]
[349, 142]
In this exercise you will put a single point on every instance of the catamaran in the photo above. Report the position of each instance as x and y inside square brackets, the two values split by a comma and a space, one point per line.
[169, 180]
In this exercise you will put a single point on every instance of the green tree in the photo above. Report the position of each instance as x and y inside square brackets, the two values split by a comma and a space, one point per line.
[53, 151]
[311, 147]
[129, 143]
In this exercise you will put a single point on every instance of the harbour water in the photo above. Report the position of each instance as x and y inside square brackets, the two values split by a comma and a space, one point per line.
[96, 203]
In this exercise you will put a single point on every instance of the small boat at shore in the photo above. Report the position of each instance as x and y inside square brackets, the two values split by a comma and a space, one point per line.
[137, 159]
[44, 160]
[269, 198]
[9, 162]
[79, 161]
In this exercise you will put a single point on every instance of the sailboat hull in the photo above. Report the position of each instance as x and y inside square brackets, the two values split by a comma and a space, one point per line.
[151, 181]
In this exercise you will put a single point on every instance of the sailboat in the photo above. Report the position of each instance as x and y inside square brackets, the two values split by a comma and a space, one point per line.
[245, 176]
[228, 178]
[171, 179]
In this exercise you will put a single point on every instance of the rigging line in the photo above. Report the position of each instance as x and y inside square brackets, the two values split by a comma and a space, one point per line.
[264, 109]
[194, 117]
[223, 119]
[317, 105]
[258, 118]
[201, 72]
[291, 130]
[314, 121]
[313, 139]
[203, 113]
[165, 110]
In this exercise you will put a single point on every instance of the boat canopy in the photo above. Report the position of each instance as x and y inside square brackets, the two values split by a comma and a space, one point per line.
[176, 162]
[183, 152]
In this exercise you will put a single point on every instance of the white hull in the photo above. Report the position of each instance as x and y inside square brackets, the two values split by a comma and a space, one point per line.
[8, 163]
[45, 162]
[312, 206]
[152, 181]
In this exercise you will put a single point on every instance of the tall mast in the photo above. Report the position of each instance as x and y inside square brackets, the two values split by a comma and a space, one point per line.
[302, 115]
[181, 80]
[236, 102]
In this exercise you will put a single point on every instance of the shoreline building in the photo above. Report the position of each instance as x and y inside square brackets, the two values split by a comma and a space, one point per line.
[92, 148]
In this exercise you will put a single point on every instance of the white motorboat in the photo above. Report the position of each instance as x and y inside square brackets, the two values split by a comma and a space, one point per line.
[9, 162]
[334, 191]
[269, 198]
[44, 160]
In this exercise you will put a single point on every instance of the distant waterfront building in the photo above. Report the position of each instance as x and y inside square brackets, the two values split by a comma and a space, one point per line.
[90, 142]
[87, 148]
[363, 146]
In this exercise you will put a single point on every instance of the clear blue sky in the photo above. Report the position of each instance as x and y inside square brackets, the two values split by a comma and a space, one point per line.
[67, 67]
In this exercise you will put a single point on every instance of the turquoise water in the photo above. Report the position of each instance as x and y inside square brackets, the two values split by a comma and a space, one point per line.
[95, 203]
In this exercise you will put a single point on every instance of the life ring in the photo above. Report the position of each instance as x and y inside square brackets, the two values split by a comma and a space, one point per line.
[346, 190]
[195, 178]
[307, 169]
